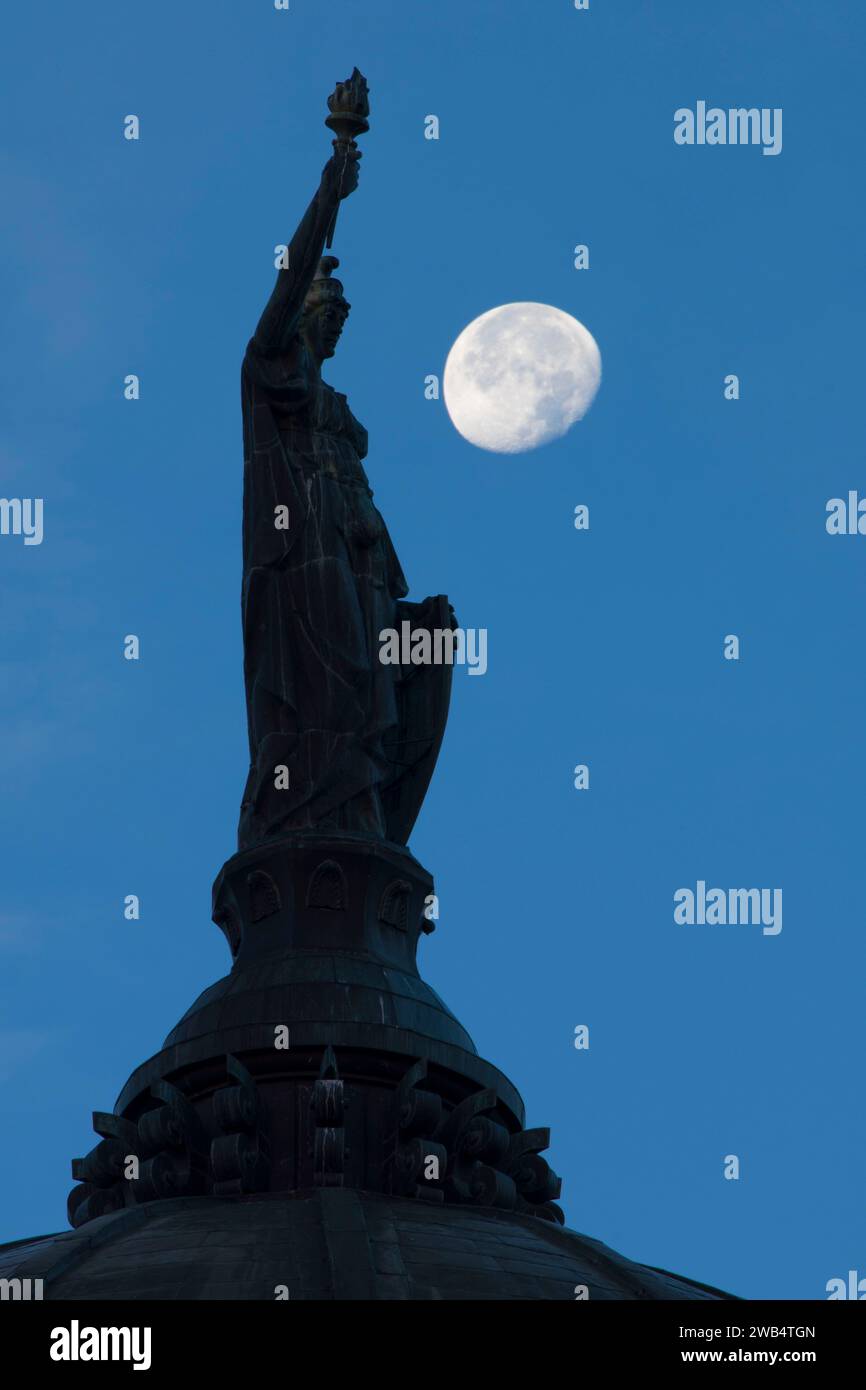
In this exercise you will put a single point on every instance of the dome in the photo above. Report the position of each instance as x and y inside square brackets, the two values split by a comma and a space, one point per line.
[319, 1125]
[331, 1244]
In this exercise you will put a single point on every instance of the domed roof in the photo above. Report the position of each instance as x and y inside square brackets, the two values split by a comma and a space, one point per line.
[331, 1243]
[319, 1126]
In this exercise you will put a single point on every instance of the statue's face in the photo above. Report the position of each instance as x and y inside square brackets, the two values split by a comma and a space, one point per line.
[323, 327]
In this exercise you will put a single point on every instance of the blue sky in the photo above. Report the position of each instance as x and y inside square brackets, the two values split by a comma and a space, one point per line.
[605, 647]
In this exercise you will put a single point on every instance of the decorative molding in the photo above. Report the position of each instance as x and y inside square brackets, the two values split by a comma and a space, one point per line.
[264, 895]
[327, 887]
[394, 906]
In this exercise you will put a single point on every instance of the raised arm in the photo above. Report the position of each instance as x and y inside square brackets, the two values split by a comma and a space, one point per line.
[282, 313]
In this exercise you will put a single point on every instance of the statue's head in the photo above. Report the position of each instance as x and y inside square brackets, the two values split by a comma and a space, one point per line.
[325, 311]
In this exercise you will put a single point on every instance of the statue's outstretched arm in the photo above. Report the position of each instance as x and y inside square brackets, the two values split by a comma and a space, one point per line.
[279, 322]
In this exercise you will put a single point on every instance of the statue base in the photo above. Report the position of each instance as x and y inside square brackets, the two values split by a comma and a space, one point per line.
[322, 1058]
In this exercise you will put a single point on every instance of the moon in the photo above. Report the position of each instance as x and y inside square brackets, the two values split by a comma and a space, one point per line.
[519, 376]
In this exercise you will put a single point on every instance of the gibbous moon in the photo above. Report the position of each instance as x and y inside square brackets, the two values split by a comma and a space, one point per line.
[519, 376]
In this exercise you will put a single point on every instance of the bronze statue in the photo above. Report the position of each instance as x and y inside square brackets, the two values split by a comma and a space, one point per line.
[318, 1125]
[338, 740]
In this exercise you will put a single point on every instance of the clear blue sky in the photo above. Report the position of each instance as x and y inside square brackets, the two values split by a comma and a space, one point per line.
[707, 518]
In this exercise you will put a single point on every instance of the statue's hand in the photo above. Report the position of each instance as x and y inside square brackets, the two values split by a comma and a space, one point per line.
[341, 171]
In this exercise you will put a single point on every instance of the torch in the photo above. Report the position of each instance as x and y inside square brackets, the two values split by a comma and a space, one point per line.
[349, 110]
